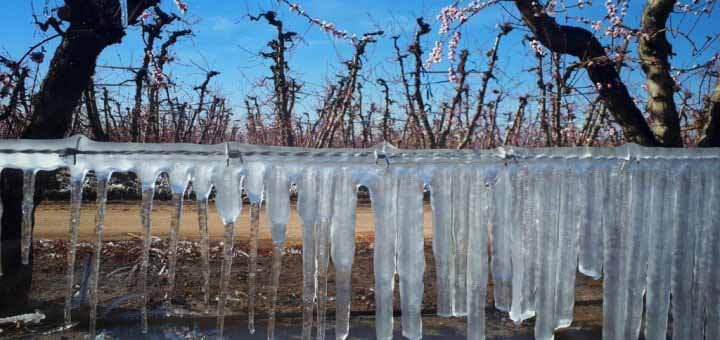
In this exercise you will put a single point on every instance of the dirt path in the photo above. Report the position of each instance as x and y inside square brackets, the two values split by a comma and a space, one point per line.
[123, 219]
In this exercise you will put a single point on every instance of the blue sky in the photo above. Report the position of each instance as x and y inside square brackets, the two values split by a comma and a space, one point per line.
[227, 41]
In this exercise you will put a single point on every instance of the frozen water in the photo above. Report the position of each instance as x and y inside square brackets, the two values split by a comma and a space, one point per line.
[28, 205]
[501, 265]
[307, 209]
[383, 194]
[278, 208]
[77, 179]
[643, 220]
[410, 253]
[254, 186]
[441, 185]
[229, 205]
[102, 184]
[342, 247]
[477, 258]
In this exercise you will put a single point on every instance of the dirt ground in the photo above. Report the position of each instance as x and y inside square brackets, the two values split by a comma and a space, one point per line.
[123, 219]
[118, 286]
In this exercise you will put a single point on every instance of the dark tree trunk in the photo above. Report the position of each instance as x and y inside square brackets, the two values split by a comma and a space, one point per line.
[94, 25]
[582, 44]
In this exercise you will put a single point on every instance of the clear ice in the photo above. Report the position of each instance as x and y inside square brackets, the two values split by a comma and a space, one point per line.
[77, 179]
[643, 220]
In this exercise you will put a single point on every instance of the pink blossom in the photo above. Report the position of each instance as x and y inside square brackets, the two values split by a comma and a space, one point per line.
[452, 76]
[182, 6]
[537, 47]
[452, 46]
[435, 55]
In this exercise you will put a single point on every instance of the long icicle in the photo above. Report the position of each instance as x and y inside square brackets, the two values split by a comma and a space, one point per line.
[252, 266]
[77, 179]
[229, 205]
[148, 193]
[383, 198]
[28, 204]
[411, 253]
[102, 184]
[441, 202]
[254, 190]
[460, 211]
[477, 258]
[202, 208]
[176, 218]
[501, 261]
[343, 248]
[683, 256]
[545, 296]
[712, 324]
[518, 238]
[325, 212]
[570, 215]
[613, 251]
[278, 210]
[662, 201]
[307, 209]
[225, 275]
[202, 185]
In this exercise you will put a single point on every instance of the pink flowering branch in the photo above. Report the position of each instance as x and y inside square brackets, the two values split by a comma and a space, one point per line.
[326, 26]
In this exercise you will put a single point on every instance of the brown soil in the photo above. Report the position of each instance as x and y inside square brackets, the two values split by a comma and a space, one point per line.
[122, 249]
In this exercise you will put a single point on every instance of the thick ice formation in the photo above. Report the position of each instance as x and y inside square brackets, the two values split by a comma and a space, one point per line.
[645, 221]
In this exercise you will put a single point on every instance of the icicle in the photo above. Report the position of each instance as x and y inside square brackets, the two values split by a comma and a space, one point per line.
[460, 211]
[441, 201]
[254, 190]
[278, 209]
[615, 290]
[545, 296]
[201, 184]
[178, 181]
[102, 184]
[663, 192]
[570, 215]
[307, 209]
[712, 323]
[636, 245]
[177, 199]
[123, 13]
[28, 205]
[703, 230]
[501, 265]
[410, 252]
[229, 205]
[252, 265]
[593, 194]
[77, 179]
[532, 218]
[343, 248]
[520, 308]
[477, 258]
[683, 254]
[148, 193]
[202, 208]
[384, 203]
[325, 213]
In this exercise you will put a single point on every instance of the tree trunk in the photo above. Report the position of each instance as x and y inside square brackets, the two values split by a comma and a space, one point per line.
[582, 44]
[712, 128]
[654, 50]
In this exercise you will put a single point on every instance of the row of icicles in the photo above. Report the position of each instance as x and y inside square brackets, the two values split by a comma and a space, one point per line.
[650, 229]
